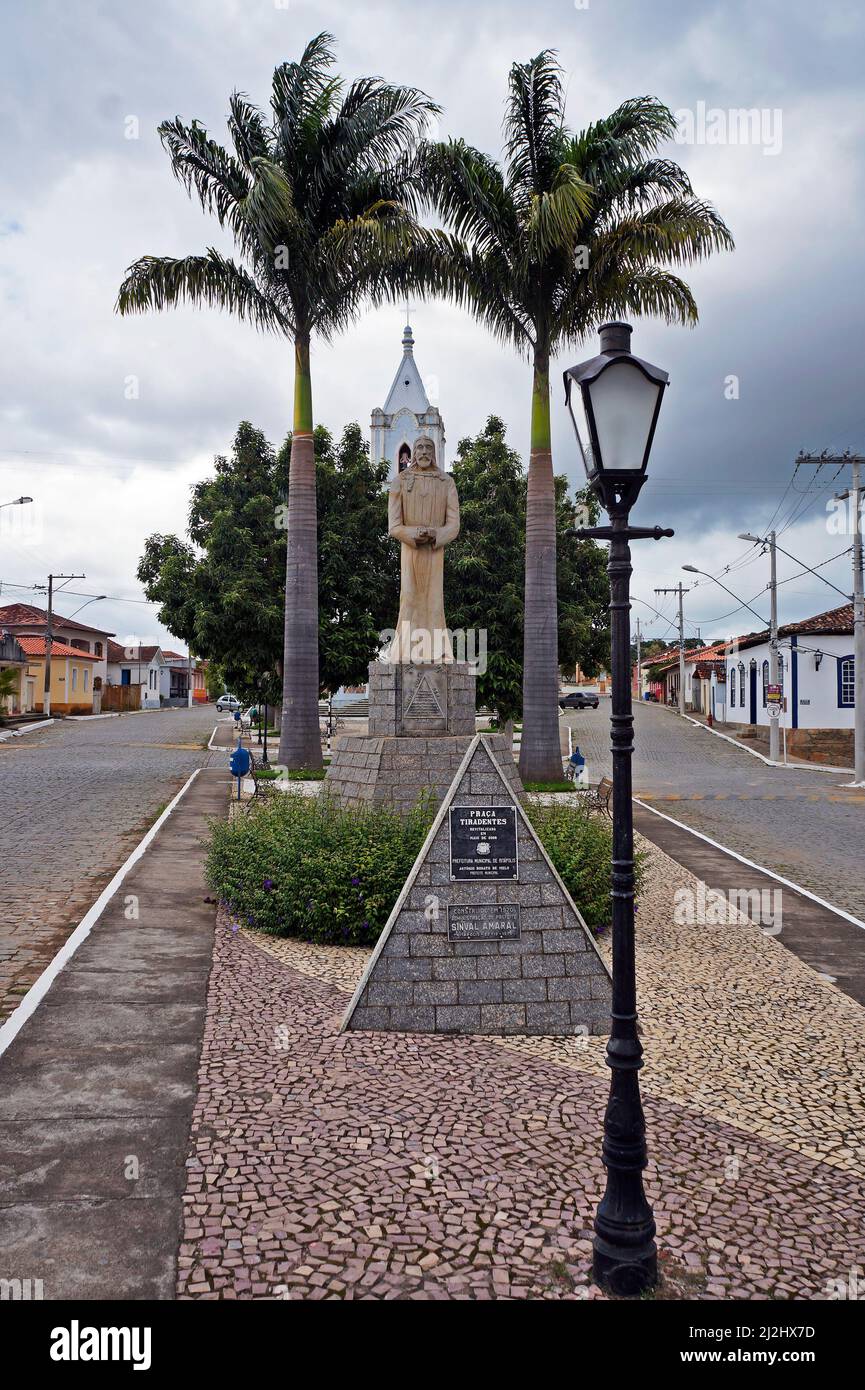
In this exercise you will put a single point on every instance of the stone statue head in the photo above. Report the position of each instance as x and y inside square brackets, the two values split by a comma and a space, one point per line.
[424, 454]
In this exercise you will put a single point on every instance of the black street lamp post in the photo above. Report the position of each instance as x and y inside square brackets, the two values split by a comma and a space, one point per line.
[615, 412]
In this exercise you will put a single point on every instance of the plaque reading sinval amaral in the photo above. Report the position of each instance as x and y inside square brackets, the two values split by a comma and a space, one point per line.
[483, 843]
[485, 922]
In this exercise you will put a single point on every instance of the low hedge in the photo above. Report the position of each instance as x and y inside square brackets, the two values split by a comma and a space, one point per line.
[307, 867]
[304, 866]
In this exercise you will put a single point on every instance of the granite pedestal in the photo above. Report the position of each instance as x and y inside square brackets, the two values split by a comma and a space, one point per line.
[421, 722]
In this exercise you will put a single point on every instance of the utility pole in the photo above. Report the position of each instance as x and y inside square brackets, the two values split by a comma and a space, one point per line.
[639, 662]
[681, 592]
[774, 672]
[855, 494]
[49, 639]
[189, 678]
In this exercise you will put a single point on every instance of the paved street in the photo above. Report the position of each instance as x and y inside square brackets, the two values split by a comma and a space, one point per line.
[75, 798]
[805, 825]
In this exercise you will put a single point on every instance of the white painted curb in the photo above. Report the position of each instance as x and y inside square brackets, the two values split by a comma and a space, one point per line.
[28, 729]
[788, 883]
[789, 767]
[37, 991]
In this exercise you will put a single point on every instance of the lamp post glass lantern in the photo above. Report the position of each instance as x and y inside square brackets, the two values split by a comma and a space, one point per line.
[614, 400]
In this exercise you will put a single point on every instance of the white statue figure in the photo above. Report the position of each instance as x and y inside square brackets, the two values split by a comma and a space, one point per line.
[424, 516]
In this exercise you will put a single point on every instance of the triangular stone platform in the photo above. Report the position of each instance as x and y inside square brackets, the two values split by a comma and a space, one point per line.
[484, 937]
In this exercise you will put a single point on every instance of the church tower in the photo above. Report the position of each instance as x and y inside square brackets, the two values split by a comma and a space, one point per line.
[406, 415]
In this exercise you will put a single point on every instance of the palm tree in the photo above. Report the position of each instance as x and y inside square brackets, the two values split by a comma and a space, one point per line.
[320, 202]
[573, 230]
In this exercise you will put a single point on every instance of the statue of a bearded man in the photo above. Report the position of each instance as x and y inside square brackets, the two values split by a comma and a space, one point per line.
[424, 516]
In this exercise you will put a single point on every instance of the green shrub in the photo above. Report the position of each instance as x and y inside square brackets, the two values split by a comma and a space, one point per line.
[581, 847]
[305, 866]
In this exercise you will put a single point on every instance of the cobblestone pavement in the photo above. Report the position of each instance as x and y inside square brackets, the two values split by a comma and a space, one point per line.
[399, 1166]
[804, 825]
[74, 800]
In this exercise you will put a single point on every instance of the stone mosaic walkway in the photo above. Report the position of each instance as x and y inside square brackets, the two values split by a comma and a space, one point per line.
[397, 1166]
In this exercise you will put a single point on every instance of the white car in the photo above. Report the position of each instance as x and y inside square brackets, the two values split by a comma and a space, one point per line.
[227, 702]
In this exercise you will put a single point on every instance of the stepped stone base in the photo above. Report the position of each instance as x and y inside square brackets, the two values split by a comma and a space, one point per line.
[421, 722]
[375, 770]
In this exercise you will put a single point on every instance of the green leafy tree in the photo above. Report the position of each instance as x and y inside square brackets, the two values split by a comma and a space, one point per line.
[582, 584]
[358, 565]
[318, 198]
[484, 576]
[575, 229]
[222, 589]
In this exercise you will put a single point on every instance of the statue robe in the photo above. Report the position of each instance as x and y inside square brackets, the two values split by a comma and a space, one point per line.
[422, 499]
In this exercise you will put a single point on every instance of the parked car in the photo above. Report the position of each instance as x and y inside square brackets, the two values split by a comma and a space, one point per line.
[227, 702]
[579, 699]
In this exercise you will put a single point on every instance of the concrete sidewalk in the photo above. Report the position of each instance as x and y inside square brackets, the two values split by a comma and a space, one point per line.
[97, 1090]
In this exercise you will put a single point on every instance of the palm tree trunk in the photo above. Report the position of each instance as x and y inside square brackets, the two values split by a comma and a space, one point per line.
[540, 758]
[299, 740]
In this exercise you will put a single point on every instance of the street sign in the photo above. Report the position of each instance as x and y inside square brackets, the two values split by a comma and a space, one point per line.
[773, 701]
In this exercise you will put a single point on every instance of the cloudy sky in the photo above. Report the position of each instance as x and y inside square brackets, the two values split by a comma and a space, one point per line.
[107, 422]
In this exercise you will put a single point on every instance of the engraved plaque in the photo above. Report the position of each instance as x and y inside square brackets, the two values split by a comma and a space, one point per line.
[487, 922]
[424, 700]
[483, 842]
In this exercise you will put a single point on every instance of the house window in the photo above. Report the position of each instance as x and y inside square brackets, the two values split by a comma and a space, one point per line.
[86, 681]
[846, 682]
[97, 648]
[74, 677]
[765, 682]
[742, 684]
[732, 687]
[125, 676]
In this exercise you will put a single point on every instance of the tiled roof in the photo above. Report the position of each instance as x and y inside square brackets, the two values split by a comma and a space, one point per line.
[117, 653]
[28, 615]
[837, 621]
[35, 646]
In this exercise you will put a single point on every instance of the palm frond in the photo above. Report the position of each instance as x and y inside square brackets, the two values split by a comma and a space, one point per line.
[297, 88]
[248, 129]
[623, 139]
[556, 218]
[211, 280]
[467, 189]
[534, 118]
[202, 165]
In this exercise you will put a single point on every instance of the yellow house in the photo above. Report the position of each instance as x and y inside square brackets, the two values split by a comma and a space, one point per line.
[71, 677]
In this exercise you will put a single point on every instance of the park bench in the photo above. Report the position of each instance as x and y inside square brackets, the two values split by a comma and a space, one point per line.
[598, 796]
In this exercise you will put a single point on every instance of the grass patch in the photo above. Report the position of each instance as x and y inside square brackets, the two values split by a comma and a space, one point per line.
[306, 774]
[560, 786]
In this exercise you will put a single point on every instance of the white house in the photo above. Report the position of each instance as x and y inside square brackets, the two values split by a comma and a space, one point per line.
[407, 414]
[816, 678]
[138, 666]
